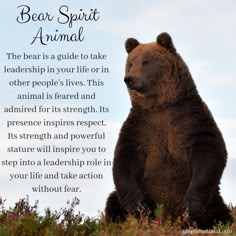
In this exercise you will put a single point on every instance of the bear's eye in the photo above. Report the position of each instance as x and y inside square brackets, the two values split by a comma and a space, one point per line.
[145, 62]
[130, 64]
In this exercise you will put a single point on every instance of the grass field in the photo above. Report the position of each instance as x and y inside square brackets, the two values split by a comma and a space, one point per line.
[24, 220]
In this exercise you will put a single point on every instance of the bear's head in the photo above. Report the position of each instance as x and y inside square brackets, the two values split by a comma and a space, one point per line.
[155, 73]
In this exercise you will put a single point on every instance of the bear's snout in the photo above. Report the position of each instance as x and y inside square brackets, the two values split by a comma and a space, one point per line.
[129, 81]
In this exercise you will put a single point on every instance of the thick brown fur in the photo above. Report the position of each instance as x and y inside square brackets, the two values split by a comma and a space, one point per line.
[170, 150]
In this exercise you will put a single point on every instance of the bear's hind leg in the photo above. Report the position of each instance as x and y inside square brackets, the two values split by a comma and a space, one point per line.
[216, 212]
[113, 211]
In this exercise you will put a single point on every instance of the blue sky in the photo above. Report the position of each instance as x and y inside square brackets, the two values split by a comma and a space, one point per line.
[203, 33]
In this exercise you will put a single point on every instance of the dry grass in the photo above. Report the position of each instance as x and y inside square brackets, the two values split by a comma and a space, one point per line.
[24, 220]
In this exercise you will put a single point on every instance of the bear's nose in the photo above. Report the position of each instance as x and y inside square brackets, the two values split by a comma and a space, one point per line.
[128, 80]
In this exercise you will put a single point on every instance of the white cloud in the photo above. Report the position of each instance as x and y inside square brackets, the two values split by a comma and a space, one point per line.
[179, 18]
[228, 128]
[228, 182]
[207, 74]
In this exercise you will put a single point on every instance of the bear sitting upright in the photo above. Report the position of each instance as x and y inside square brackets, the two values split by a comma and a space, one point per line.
[170, 150]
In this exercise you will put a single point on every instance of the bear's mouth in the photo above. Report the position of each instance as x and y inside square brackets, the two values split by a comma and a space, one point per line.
[132, 85]
[139, 89]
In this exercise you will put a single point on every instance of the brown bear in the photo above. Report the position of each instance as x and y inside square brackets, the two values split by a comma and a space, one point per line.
[170, 150]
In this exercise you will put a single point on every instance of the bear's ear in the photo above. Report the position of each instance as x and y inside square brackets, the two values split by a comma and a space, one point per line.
[165, 40]
[130, 44]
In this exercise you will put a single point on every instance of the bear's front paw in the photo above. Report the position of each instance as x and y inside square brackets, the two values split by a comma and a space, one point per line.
[194, 206]
[142, 207]
[134, 204]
